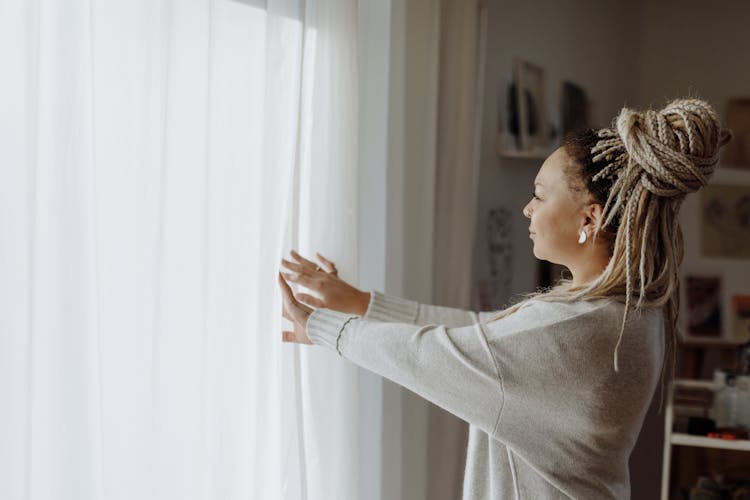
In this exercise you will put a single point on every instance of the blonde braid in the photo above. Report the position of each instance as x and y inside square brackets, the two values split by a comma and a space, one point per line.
[670, 153]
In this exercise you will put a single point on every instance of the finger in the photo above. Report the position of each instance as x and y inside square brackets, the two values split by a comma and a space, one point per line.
[286, 290]
[292, 309]
[291, 277]
[329, 266]
[296, 312]
[285, 314]
[297, 268]
[309, 300]
[293, 338]
[302, 279]
[309, 264]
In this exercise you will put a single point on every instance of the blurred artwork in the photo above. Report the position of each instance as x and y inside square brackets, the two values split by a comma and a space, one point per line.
[494, 291]
[725, 221]
[527, 106]
[703, 306]
[741, 318]
[737, 152]
[575, 113]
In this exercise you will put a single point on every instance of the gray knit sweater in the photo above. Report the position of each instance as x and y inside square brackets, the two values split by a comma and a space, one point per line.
[549, 417]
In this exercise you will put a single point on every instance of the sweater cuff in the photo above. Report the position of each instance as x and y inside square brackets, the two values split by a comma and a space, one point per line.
[325, 326]
[389, 308]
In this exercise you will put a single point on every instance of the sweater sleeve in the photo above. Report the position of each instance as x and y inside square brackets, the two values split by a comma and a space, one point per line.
[389, 308]
[450, 366]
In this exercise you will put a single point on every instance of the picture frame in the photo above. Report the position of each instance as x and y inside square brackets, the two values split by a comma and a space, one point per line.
[574, 108]
[704, 306]
[725, 215]
[741, 318]
[736, 154]
[531, 106]
[492, 293]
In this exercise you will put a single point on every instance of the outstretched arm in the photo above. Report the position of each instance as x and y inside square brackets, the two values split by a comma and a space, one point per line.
[451, 367]
[331, 292]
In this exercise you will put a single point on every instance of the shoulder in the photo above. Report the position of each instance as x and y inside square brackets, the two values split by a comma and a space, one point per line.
[577, 337]
[578, 316]
[538, 312]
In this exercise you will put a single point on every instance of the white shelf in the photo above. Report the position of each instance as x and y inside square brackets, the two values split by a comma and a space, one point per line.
[707, 442]
[672, 438]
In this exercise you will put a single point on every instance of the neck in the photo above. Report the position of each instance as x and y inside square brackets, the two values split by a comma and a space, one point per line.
[588, 269]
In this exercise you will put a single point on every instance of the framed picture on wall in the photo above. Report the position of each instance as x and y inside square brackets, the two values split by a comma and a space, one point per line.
[741, 318]
[530, 105]
[574, 108]
[737, 152]
[703, 295]
[725, 221]
[493, 292]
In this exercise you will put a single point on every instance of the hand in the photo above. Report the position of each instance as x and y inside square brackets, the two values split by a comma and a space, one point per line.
[332, 292]
[296, 313]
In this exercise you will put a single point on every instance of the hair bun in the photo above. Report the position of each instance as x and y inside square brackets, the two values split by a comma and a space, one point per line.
[673, 150]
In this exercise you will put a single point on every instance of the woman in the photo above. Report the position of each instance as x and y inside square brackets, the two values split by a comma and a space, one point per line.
[557, 386]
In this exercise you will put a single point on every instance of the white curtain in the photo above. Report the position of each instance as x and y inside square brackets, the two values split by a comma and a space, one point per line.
[157, 158]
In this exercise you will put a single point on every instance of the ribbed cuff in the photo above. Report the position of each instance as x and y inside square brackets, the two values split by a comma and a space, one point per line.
[325, 326]
[389, 308]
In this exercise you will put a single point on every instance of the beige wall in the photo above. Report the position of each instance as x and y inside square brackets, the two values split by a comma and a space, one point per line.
[690, 50]
[691, 46]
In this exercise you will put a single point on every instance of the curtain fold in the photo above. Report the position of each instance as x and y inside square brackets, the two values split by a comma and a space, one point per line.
[462, 59]
[326, 208]
[158, 158]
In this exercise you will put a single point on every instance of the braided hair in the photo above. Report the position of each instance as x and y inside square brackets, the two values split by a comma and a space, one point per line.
[640, 170]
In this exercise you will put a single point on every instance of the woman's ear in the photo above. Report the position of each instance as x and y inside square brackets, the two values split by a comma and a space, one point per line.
[594, 215]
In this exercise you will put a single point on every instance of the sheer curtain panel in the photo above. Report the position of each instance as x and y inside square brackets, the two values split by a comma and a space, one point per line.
[157, 158]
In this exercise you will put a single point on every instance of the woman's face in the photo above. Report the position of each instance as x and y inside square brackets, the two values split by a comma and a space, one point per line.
[556, 213]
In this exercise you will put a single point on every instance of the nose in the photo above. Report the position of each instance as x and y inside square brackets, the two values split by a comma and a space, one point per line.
[527, 210]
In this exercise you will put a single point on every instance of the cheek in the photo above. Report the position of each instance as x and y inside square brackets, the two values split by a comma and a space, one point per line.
[554, 229]
[550, 223]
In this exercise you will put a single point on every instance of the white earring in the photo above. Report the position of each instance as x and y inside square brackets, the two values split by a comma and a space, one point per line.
[582, 237]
